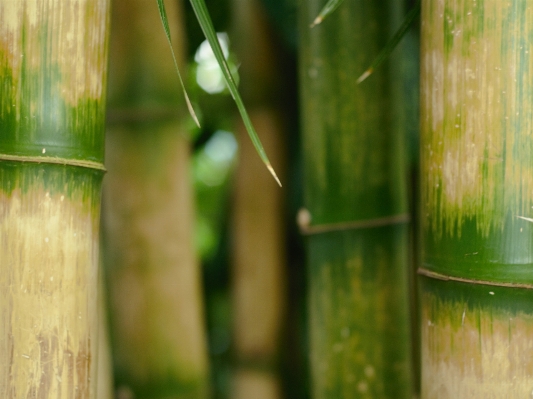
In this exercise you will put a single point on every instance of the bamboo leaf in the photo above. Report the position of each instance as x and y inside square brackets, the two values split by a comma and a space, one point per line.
[392, 43]
[330, 6]
[202, 14]
[164, 20]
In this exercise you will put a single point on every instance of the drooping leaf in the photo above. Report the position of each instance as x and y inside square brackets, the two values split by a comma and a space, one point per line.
[164, 20]
[330, 6]
[393, 42]
[202, 14]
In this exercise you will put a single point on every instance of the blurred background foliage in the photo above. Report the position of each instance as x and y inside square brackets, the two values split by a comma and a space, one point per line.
[215, 152]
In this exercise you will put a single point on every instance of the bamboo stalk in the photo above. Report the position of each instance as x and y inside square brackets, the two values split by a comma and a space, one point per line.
[355, 198]
[156, 302]
[477, 198]
[105, 387]
[258, 261]
[53, 59]
[258, 286]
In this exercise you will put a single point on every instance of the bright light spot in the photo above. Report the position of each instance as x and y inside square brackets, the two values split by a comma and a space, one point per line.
[214, 162]
[221, 147]
[208, 74]
[204, 54]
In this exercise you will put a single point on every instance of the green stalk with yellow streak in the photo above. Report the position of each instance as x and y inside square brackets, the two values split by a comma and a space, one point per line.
[355, 197]
[53, 59]
[477, 199]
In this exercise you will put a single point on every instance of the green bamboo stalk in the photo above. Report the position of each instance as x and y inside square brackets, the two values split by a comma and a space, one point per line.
[156, 303]
[53, 59]
[477, 197]
[355, 198]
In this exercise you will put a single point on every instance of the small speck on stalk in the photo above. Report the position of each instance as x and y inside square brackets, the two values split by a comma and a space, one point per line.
[304, 220]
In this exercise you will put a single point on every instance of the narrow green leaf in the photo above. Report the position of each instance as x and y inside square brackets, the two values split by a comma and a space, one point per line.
[330, 6]
[164, 20]
[202, 14]
[392, 43]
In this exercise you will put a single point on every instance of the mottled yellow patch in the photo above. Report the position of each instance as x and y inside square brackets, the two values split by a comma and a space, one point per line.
[475, 353]
[154, 277]
[48, 280]
[56, 36]
[256, 384]
[477, 112]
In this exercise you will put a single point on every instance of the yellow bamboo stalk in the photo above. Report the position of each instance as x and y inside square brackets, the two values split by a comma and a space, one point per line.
[53, 59]
[158, 335]
[258, 261]
[48, 306]
[258, 287]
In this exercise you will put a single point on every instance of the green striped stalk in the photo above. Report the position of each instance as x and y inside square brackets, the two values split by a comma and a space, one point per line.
[158, 337]
[477, 199]
[53, 60]
[258, 251]
[355, 197]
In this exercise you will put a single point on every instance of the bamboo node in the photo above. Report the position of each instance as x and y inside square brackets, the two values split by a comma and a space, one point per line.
[304, 223]
[438, 276]
[53, 160]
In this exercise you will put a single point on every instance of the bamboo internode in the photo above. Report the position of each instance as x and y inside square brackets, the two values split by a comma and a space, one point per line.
[477, 199]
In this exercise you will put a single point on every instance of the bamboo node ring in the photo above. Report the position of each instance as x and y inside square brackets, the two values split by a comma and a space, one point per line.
[438, 276]
[304, 219]
[53, 160]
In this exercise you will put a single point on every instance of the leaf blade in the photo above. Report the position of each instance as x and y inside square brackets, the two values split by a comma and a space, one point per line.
[330, 6]
[202, 15]
[166, 28]
[392, 43]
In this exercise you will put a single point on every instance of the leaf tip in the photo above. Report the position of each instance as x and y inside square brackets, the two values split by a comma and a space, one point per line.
[318, 20]
[190, 108]
[365, 75]
[273, 173]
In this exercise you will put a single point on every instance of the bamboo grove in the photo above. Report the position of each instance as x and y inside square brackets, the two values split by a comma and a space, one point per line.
[465, 235]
